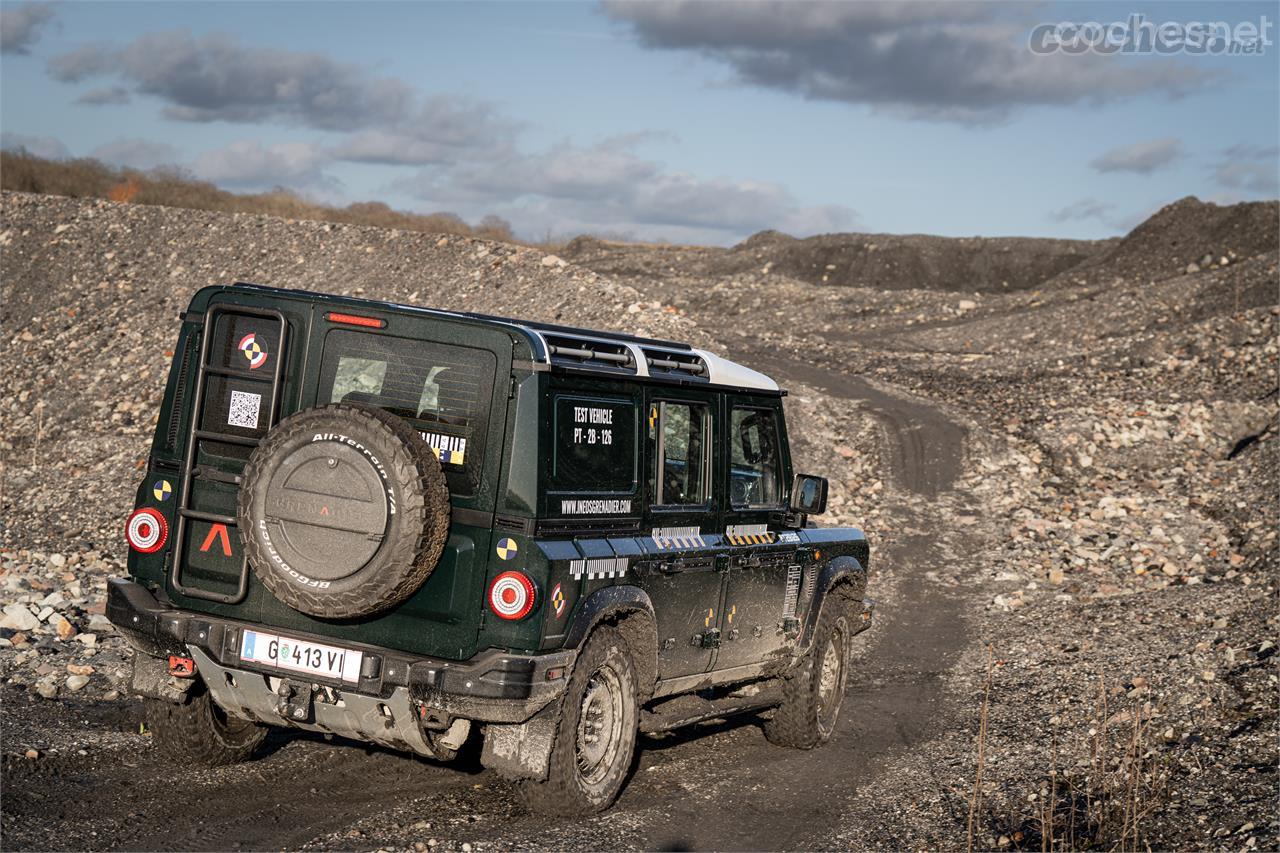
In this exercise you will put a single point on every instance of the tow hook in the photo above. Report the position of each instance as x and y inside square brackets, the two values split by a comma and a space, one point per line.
[295, 701]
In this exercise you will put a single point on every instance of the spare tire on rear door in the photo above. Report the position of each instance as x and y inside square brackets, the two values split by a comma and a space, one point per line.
[343, 511]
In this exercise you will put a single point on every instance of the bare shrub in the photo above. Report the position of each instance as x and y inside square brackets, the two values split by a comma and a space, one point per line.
[175, 187]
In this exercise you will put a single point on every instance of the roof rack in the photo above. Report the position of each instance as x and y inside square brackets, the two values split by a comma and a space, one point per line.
[585, 352]
[683, 365]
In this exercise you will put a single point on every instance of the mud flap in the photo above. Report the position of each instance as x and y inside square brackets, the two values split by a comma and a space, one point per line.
[150, 677]
[523, 750]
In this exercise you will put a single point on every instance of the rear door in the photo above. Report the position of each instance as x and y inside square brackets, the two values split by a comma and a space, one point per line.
[680, 569]
[763, 579]
[447, 379]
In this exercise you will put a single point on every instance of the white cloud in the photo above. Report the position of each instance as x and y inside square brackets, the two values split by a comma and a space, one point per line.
[608, 187]
[251, 165]
[1252, 168]
[1141, 158]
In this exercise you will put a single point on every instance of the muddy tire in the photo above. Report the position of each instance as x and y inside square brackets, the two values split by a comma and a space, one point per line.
[343, 511]
[596, 737]
[814, 689]
[199, 732]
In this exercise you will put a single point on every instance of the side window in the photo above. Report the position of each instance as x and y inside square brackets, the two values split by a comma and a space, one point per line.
[595, 445]
[753, 474]
[678, 434]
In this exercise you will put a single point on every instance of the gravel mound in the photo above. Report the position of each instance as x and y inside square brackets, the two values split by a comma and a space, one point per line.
[1184, 238]
[878, 261]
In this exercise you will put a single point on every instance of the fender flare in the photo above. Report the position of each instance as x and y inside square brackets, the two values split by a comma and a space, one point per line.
[604, 603]
[845, 569]
[641, 634]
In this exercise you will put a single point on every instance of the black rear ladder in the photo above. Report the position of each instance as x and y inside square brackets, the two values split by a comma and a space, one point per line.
[190, 470]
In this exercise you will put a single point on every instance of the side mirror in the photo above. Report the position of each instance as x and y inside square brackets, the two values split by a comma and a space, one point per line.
[809, 494]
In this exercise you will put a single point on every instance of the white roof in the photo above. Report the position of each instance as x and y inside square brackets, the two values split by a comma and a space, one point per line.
[725, 372]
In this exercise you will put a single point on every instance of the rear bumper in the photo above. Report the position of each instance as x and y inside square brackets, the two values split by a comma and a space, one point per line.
[494, 686]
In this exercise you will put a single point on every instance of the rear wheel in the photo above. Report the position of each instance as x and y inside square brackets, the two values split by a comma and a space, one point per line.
[814, 690]
[199, 732]
[596, 736]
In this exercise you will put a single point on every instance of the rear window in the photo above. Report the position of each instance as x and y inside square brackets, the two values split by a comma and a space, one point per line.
[441, 389]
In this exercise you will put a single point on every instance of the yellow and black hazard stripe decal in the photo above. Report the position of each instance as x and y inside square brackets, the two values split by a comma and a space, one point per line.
[752, 539]
[750, 534]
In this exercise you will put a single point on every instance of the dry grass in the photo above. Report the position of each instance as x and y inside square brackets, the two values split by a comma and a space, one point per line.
[88, 178]
[1105, 778]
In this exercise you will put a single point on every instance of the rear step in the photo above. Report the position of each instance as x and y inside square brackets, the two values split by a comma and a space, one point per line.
[190, 470]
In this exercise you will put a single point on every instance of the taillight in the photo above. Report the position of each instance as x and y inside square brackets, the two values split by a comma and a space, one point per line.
[146, 530]
[511, 595]
[355, 320]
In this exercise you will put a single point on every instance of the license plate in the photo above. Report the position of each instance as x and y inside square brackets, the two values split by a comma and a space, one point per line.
[300, 656]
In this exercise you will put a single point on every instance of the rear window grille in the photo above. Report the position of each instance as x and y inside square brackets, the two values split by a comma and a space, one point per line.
[669, 364]
[180, 393]
[585, 352]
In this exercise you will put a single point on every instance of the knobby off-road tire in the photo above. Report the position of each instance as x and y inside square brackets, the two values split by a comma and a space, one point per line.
[814, 689]
[596, 736]
[199, 732]
[343, 511]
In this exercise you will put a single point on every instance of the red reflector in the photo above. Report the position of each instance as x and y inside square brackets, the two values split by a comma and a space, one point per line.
[181, 667]
[355, 320]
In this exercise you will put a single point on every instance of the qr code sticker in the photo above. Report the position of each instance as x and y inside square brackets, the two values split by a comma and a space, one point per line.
[244, 409]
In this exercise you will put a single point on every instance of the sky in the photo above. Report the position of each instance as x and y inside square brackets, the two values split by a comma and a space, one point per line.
[700, 122]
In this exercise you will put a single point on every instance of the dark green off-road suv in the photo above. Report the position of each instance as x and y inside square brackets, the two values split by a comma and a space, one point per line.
[404, 526]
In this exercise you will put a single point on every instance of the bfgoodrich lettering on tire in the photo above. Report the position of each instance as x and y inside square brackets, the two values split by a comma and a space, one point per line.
[596, 736]
[343, 511]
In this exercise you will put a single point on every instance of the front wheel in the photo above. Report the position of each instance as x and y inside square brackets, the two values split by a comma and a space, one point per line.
[199, 732]
[813, 691]
[596, 736]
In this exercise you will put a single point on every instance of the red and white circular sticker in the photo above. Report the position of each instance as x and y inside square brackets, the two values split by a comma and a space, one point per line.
[146, 530]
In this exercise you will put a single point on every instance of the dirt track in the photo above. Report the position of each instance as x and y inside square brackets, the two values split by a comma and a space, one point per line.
[719, 785]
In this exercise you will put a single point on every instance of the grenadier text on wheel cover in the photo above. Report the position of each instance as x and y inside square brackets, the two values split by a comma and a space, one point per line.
[412, 527]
